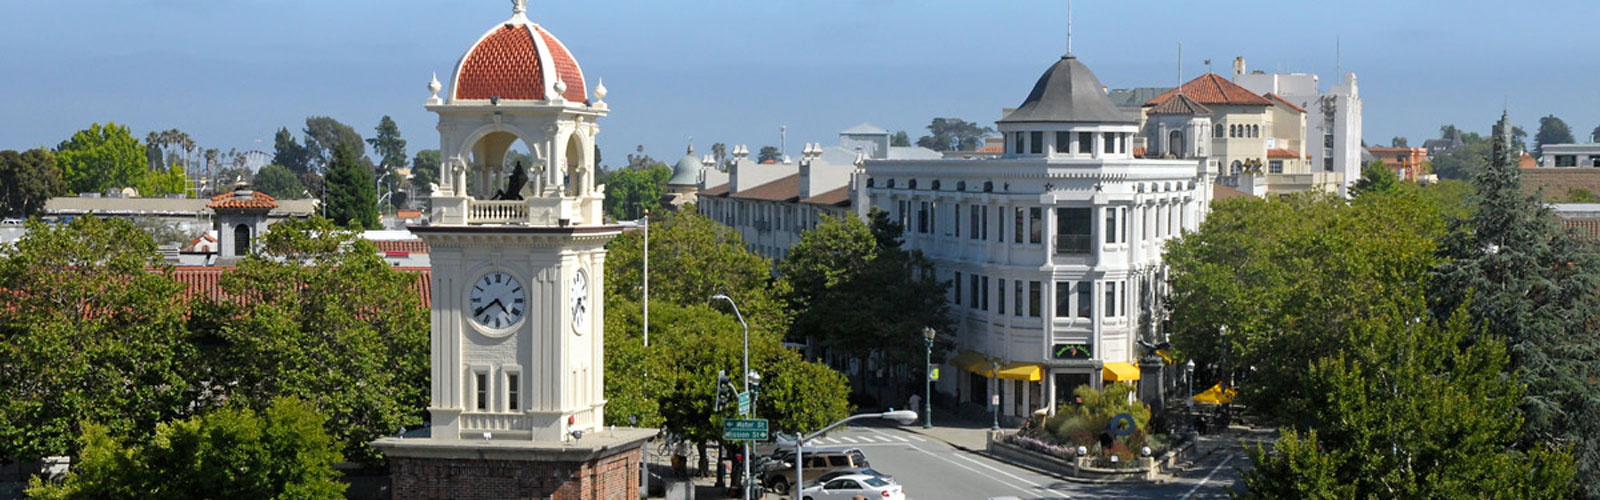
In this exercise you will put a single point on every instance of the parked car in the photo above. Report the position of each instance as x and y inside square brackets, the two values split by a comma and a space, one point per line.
[817, 462]
[851, 486]
[838, 473]
[10, 222]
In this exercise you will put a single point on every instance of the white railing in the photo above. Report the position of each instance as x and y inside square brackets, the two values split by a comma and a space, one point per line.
[497, 212]
[495, 422]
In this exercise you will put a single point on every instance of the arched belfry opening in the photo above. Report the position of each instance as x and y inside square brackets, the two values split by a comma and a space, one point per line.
[577, 175]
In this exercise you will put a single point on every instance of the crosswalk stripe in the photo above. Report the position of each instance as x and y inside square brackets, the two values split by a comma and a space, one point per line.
[845, 439]
[901, 438]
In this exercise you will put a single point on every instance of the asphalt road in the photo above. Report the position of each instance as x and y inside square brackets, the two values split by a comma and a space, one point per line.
[932, 470]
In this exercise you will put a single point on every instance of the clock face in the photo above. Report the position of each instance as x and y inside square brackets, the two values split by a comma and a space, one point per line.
[580, 300]
[497, 300]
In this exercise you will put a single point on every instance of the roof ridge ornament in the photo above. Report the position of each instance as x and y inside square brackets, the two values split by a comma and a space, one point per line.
[519, 12]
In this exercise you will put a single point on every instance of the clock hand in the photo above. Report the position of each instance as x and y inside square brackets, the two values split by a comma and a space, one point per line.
[496, 302]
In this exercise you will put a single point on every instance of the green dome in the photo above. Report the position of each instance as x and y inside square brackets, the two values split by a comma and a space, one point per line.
[687, 171]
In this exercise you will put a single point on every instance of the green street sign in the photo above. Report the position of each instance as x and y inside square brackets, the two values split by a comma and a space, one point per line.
[744, 403]
[753, 429]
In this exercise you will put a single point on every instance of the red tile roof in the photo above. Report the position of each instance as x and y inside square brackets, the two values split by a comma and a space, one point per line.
[408, 214]
[1282, 153]
[1285, 102]
[836, 198]
[406, 246]
[566, 66]
[238, 200]
[785, 189]
[205, 282]
[1180, 104]
[991, 149]
[505, 64]
[1210, 89]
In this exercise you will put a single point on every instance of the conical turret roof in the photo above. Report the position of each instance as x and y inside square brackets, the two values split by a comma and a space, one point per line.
[1068, 93]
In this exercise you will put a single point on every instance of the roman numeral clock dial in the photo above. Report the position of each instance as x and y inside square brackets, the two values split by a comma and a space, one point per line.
[497, 300]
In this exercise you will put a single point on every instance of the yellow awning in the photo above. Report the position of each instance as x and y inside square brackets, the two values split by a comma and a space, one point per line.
[1022, 371]
[1216, 395]
[969, 360]
[1119, 372]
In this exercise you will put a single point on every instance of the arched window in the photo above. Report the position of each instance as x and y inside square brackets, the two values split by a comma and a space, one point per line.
[911, 184]
[1219, 131]
[1175, 143]
[1233, 131]
[241, 240]
[1237, 166]
[1255, 131]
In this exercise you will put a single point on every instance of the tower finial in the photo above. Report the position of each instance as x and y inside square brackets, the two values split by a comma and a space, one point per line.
[1069, 27]
[519, 7]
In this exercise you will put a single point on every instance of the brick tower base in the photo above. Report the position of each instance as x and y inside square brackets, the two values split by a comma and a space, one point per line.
[604, 465]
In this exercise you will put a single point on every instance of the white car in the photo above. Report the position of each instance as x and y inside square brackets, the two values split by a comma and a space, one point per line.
[851, 486]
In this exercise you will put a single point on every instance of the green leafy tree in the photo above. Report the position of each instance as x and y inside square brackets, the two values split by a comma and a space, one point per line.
[769, 154]
[1552, 131]
[1265, 286]
[630, 193]
[947, 134]
[1594, 135]
[900, 140]
[231, 453]
[279, 181]
[1410, 409]
[857, 291]
[27, 180]
[324, 135]
[1375, 178]
[289, 153]
[173, 181]
[425, 172]
[352, 200]
[320, 316]
[101, 158]
[93, 331]
[1531, 283]
[1398, 142]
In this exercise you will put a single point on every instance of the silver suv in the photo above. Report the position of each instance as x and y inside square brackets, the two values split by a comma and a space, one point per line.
[816, 462]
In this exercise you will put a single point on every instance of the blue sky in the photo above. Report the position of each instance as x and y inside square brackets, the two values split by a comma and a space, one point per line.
[231, 72]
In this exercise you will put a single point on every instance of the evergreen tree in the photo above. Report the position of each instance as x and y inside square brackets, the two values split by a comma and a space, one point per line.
[352, 200]
[1552, 130]
[388, 144]
[279, 182]
[289, 153]
[1532, 283]
[900, 140]
[27, 180]
[954, 134]
[323, 135]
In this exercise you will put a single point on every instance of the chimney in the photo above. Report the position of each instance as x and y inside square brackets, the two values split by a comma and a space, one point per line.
[1238, 67]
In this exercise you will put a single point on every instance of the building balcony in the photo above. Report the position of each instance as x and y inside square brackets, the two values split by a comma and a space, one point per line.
[1074, 244]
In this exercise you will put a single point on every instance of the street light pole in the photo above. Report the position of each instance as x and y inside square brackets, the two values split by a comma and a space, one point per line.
[1188, 405]
[647, 280]
[746, 377]
[994, 399]
[927, 378]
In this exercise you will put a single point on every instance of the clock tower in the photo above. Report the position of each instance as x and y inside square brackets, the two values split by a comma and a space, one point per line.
[518, 254]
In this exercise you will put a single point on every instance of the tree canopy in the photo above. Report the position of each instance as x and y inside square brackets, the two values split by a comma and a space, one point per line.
[231, 453]
[91, 334]
[1375, 177]
[280, 182]
[769, 154]
[321, 317]
[387, 143]
[289, 153]
[1552, 131]
[101, 158]
[631, 192]
[324, 135]
[352, 200]
[954, 134]
[27, 180]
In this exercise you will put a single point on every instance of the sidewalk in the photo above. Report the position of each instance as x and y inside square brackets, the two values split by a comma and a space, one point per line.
[962, 433]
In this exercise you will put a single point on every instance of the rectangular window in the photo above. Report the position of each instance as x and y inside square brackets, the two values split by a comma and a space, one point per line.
[1017, 230]
[956, 219]
[986, 294]
[481, 391]
[1035, 296]
[1111, 299]
[1063, 299]
[1035, 225]
[1275, 167]
[1037, 145]
[1111, 225]
[1063, 142]
[972, 298]
[905, 214]
[985, 219]
[957, 285]
[1086, 299]
[1073, 231]
[1566, 160]
[1110, 142]
[922, 217]
[933, 217]
[1000, 224]
[1122, 229]
[1000, 305]
[1085, 142]
[1016, 299]
[513, 392]
[1018, 139]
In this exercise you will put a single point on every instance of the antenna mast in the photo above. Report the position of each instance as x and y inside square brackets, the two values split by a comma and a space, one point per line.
[1069, 27]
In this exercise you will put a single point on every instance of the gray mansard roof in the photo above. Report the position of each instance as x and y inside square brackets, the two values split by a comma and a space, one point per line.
[1068, 93]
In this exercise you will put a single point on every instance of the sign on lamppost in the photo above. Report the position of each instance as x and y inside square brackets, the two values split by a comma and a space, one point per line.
[744, 403]
[750, 429]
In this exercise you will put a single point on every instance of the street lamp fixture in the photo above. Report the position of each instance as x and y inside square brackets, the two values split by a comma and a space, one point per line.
[994, 399]
[927, 378]
[747, 380]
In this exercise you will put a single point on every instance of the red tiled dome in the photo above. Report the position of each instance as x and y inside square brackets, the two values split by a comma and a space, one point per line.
[510, 62]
